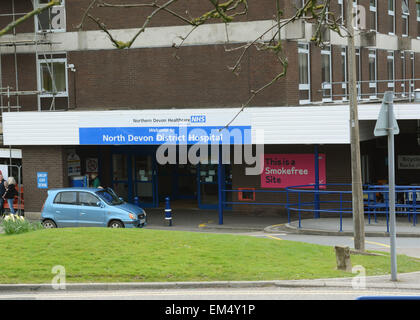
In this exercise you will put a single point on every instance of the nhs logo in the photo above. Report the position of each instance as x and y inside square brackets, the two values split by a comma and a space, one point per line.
[198, 119]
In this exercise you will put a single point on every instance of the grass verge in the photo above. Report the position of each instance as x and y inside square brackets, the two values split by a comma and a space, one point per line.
[142, 255]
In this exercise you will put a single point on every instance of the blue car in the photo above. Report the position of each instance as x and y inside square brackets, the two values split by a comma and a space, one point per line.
[89, 207]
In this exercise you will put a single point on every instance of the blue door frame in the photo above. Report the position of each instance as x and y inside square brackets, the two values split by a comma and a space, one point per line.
[132, 182]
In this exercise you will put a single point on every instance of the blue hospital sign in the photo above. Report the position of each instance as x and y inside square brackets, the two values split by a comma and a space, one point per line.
[42, 180]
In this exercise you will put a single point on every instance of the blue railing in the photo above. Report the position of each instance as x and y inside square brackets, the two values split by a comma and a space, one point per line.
[319, 199]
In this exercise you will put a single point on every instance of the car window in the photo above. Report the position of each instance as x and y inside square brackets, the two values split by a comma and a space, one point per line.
[88, 199]
[69, 197]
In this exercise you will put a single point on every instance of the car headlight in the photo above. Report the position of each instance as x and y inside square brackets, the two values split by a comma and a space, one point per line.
[132, 216]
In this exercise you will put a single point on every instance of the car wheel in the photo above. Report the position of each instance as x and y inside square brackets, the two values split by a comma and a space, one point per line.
[49, 224]
[116, 224]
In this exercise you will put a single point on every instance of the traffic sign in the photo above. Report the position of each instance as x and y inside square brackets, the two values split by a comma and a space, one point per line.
[382, 127]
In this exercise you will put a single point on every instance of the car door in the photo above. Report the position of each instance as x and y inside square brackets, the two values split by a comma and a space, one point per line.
[91, 214]
[66, 209]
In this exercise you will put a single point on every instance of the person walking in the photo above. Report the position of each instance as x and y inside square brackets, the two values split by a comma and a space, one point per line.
[2, 191]
[11, 193]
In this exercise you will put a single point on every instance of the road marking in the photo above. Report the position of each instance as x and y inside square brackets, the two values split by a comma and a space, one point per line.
[377, 243]
[275, 238]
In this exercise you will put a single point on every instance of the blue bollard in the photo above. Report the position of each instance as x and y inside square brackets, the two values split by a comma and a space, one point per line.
[136, 201]
[168, 212]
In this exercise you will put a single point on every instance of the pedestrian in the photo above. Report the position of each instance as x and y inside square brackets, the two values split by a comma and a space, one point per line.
[96, 183]
[2, 191]
[11, 193]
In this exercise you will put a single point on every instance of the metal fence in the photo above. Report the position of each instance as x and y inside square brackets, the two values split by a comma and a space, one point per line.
[334, 200]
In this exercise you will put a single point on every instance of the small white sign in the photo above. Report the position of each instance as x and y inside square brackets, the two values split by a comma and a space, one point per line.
[409, 162]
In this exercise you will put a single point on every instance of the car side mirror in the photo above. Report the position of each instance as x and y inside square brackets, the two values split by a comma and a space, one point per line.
[100, 204]
[121, 199]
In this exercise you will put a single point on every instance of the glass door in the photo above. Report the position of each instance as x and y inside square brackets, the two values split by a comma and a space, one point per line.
[120, 174]
[135, 176]
[185, 182]
[208, 187]
[144, 180]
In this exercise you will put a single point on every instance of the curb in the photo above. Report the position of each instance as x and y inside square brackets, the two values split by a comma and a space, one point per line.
[317, 232]
[333, 283]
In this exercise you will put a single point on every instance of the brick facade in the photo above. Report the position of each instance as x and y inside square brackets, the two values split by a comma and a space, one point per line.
[51, 159]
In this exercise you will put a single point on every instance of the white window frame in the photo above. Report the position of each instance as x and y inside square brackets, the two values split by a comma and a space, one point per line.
[418, 18]
[391, 56]
[326, 85]
[37, 26]
[50, 61]
[345, 75]
[374, 9]
[305, 86]
[406, 17]
[392, 14]
[372, 83]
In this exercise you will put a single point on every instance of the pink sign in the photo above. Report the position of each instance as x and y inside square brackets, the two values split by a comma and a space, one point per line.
[285, 170]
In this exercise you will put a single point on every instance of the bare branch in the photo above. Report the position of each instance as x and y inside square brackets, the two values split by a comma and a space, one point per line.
[13, 24]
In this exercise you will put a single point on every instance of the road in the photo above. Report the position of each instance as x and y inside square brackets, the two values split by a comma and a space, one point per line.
[271, 293]
[407, 246]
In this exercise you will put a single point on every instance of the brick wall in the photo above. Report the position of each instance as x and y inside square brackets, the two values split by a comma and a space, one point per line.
[51, 159]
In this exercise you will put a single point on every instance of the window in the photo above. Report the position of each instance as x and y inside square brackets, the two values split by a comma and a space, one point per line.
[418, 20]
[344, 72]
[358, 73]
[390, 65]
[405, 17]
[69, 197]
[304, 73]
[52, 76]
[51, 20]
[342, 11]
[88, 199]
[403, 73]
[391, 14]
[372, 73]
[326, 73]
[373, 15]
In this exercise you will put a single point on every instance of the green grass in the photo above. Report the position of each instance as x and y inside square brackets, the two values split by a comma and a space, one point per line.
[142, 255]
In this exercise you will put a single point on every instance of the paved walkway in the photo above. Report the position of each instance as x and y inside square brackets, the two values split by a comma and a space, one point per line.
[332, 227]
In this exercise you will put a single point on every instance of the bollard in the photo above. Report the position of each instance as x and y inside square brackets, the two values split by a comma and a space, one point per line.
[168, 212]
[137, 201]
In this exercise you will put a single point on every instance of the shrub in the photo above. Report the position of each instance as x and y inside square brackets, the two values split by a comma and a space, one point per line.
[14, 224]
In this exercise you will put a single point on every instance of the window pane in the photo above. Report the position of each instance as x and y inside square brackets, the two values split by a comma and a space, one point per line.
[303, 68]
[57, 69]
[326, 68]
[88, 199]
[66, 198]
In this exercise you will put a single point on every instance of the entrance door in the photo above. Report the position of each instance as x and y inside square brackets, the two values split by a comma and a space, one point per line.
[134, 175]
[144, 180]
[208, 187]
[185, 182]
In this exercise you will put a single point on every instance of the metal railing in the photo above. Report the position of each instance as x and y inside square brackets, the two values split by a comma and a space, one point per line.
[331, 199]
[406, 92]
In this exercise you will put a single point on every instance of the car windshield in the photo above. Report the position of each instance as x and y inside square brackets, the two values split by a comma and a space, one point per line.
[109, 196]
